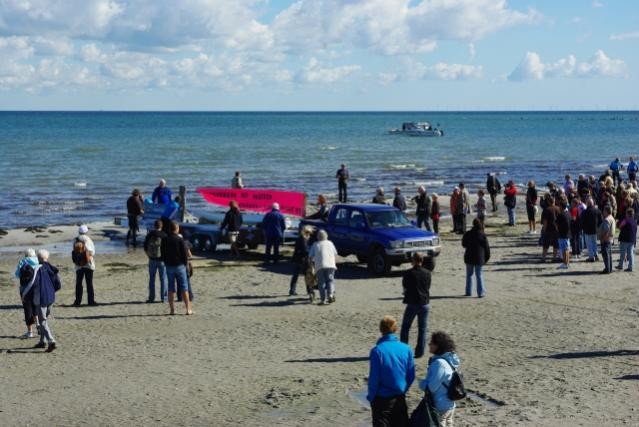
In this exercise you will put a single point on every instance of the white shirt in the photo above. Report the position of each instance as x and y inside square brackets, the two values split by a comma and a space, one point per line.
[323, 254]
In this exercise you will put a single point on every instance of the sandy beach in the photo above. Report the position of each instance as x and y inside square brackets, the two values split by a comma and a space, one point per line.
[544, 347]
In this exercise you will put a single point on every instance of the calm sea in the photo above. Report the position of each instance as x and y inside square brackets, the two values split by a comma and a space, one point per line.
[67, 167]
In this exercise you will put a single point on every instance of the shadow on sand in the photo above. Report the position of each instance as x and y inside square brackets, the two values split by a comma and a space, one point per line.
[330, 360]
[281, 303]
[589, 354]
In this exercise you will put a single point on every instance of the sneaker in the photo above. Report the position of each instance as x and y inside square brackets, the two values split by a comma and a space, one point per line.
[150, 301]
[628, 270]
[619, 267]
[322, 302]
[93, 304]
[51, 347]
[27, 335]
[311, 297]
[292, 294]
[331, 299]
[563, 266]
[40, 345]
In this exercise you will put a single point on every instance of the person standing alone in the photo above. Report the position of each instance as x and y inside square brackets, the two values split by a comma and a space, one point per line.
[493, 186]
[342, 176]
[476, 255]
[83, 257]
[134, 208]
[416, 284]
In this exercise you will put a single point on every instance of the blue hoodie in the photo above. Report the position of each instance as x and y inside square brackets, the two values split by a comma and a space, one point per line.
[438, 378]
[31, 261]
[392, 368]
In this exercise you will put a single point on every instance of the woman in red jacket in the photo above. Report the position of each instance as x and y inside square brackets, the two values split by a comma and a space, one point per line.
[510, 200]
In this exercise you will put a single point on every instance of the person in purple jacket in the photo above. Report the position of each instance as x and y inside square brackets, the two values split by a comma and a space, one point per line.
[627, 240]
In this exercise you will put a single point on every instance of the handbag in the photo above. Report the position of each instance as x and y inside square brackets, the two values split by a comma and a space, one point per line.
[425, 414]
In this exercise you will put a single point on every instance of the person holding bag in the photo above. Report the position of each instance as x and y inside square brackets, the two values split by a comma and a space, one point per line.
[442, 381]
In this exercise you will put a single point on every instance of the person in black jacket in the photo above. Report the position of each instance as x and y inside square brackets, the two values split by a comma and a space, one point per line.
[399, 201]
[416, 284]
[134, 208]
[423, 209]
[477, 254]
[232, 223]
[493, 186]
[300, 260]
[590, 219]
[175, 255]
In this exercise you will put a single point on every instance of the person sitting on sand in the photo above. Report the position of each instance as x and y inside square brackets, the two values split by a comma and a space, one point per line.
[476, 255]
[416, 285]
[84, 261]
[379, 198]
[435, 212]
[237, 182]
[399, 201]
[153, 250]
[162, 194]
[391, 373]
[439, 375]
[323, 254]
[232, 223]
[274, 226]
[322, 209]
[423, 209]
[300, 260]
[134, 208]
[42, 293]
[25, 271]
[176, 258]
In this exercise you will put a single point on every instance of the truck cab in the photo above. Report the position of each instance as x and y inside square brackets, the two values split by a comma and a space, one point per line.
[379, 235]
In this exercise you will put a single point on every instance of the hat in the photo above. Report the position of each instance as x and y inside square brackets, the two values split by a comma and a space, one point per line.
[276, 206]
[83, 229]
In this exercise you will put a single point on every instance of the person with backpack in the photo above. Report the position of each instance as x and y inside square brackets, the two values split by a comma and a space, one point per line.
[24, 273]
[442, 380]
[41, 290]
[153, 250]
[83, 257]
[391, 373]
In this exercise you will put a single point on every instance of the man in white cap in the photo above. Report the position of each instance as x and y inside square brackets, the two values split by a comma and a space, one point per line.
[162, 194]
[83, 257]
[273, 225]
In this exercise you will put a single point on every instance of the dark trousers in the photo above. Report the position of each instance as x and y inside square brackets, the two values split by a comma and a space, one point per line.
[422, 219]
[421, 311]
[390, 411]
[29, 310]
[436, 226]
[133, 229]
[298, 267]
[273, 246]
[493, 200]
[341, 187]
[81, 274]
[606, 253]
[616, 177]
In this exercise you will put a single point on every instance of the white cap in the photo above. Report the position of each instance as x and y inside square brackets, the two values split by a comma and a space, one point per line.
[83, 229]
[276, 206]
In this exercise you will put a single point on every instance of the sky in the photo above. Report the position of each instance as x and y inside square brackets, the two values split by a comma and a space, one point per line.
[310, 55]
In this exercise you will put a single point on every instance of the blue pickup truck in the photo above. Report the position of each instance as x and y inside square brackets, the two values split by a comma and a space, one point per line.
[378, 235]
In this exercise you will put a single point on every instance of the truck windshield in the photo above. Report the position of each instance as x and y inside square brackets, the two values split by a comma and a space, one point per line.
[387, 219]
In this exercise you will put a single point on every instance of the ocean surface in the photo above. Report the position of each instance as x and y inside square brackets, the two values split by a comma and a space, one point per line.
[70, 167]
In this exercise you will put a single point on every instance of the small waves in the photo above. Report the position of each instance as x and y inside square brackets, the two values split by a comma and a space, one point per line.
[494, 158]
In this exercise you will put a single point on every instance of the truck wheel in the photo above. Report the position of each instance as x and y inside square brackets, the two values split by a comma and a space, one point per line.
[209, 246]
[378, 263]
[362, 259]
[429, 264]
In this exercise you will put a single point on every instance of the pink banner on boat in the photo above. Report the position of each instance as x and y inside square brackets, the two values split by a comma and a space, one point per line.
[291, 202]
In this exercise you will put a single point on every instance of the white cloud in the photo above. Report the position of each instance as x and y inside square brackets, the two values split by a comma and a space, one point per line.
[597, 4]
[625, 36]
[314, 72]
[442, 71]
[576, 20]
[471, 50]
[600, 65]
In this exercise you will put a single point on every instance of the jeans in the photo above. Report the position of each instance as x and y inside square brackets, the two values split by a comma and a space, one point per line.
[591, 244]
[626, 250]
[298, 267]
[477, 270]
[273, 245]
[421, 311]
[46, 335]
[326, 282]
[155, 266]
[606, 253]
[446, 418]
[389, 411]
[511, 216]
[342, 186]
[177, 274]
[80, 274]
[422, 219]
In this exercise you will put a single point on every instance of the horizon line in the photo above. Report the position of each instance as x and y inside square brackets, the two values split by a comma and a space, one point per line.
[622, 110]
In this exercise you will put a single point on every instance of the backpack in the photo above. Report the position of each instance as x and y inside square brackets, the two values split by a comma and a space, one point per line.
[154, 247]
[79, 255]
[456, 389]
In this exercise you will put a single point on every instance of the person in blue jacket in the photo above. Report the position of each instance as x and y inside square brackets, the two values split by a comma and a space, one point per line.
[440, 372]
[162, 194]
[273, 225]
[392, 372]
[616, 166]
[632, 169]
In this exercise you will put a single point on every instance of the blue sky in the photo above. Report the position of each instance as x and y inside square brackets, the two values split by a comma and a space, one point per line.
[319, 54]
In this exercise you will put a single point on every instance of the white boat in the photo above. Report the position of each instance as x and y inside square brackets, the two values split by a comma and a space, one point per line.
[417, 129]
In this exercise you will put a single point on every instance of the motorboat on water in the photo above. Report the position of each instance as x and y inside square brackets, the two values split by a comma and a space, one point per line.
[417, 129]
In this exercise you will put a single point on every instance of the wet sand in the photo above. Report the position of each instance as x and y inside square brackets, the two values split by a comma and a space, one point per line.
[545, 347]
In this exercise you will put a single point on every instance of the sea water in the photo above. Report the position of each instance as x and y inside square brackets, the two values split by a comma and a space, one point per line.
[70, 167]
